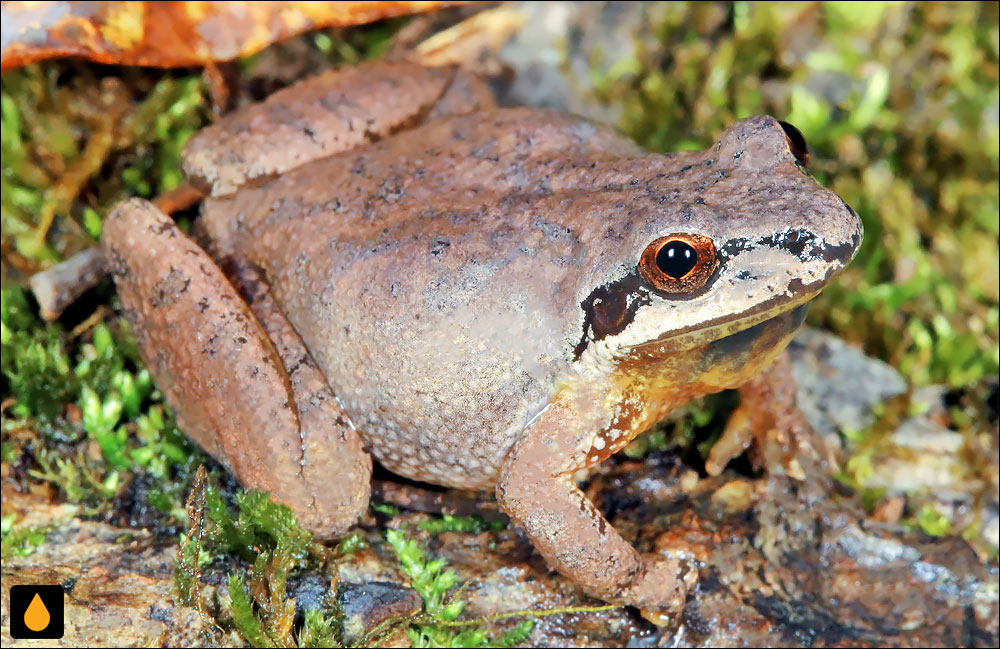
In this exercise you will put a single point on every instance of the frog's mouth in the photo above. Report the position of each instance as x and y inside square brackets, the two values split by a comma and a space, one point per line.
[769, 333]
[731, 334]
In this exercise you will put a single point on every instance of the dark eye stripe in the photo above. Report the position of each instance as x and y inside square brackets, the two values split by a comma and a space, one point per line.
[801, 243]
[609, 309]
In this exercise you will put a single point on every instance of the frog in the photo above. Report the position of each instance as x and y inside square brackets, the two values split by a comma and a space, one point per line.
[389, 265]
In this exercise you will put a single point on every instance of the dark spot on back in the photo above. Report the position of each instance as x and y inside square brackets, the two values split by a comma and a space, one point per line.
[439, 246]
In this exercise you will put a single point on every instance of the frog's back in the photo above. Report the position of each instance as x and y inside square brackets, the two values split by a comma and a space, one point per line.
[436, 278]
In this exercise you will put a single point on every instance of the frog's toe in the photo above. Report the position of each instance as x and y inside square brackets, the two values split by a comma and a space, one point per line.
[735, 439]
[660, 589]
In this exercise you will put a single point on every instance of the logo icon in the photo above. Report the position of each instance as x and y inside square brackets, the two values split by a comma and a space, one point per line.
[36, 612]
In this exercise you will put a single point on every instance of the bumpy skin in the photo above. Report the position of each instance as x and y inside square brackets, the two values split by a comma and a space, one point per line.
[468, 290]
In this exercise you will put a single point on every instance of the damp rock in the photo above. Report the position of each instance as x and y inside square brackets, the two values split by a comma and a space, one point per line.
[366, 605]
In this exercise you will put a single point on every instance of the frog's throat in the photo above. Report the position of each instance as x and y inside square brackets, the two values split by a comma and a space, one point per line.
[705, 334]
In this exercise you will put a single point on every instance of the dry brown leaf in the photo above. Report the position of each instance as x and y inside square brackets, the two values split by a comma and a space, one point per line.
[172, 34]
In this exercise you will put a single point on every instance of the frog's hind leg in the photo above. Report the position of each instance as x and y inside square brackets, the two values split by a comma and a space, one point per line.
[276, 430]
[333, 460]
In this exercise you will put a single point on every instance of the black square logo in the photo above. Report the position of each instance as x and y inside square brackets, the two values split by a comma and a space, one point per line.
[36, 612]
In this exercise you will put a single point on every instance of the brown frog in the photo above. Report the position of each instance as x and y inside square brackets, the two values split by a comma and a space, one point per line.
[478, 297]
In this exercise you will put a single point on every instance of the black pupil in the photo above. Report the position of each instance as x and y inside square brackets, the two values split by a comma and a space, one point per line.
[676, 259]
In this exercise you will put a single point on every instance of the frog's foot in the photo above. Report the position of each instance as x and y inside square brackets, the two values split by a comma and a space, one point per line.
[537, 491]
[770, 425]
[661, 588]
[276, 430]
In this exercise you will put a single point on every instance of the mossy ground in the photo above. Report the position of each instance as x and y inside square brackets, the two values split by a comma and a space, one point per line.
[898, 102]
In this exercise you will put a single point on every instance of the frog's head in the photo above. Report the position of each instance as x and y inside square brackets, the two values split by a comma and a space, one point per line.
[724, 249]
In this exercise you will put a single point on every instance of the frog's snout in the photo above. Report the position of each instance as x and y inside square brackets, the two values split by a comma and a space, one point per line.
[843, 254]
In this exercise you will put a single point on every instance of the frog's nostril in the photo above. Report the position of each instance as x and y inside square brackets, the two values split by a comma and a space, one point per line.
[796, 143]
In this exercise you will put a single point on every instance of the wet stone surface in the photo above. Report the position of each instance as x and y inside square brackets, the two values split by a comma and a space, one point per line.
[368, 604]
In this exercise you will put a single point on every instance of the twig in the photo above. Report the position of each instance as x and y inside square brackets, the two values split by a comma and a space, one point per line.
[57, 288]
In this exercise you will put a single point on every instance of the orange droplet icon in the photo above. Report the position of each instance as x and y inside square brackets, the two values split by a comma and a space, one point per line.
[36, 616]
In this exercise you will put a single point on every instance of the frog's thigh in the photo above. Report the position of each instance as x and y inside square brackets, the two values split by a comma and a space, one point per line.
[213, 360]
[769, 420]
[334, 462]
[536, 490]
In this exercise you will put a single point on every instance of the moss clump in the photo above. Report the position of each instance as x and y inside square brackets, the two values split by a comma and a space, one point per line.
[19, 540]
[932, 522]
[267, 535]
[438, 625]
[85, 416]
[74, 144]
[88, 421]
[465, 524]
[431, 579]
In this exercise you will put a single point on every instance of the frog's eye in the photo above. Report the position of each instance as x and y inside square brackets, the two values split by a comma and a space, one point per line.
[796, 143]
[678, 263]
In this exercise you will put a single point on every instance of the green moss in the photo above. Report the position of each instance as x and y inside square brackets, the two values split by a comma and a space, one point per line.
[438, 624]
[62, 132]
[466, 524]
[115, 411]
[263, 613]
[172, 111]
[242, 610]
[431, 579]
[385, 509]
[320, 629]
[516, 635]
[932, 521]
[259, 523]
[267, 535]
[351, 544]
[19, 540]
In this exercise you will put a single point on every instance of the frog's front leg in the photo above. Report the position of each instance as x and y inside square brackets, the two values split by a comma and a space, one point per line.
[537, 491]
[769, 423]
[276, 430]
